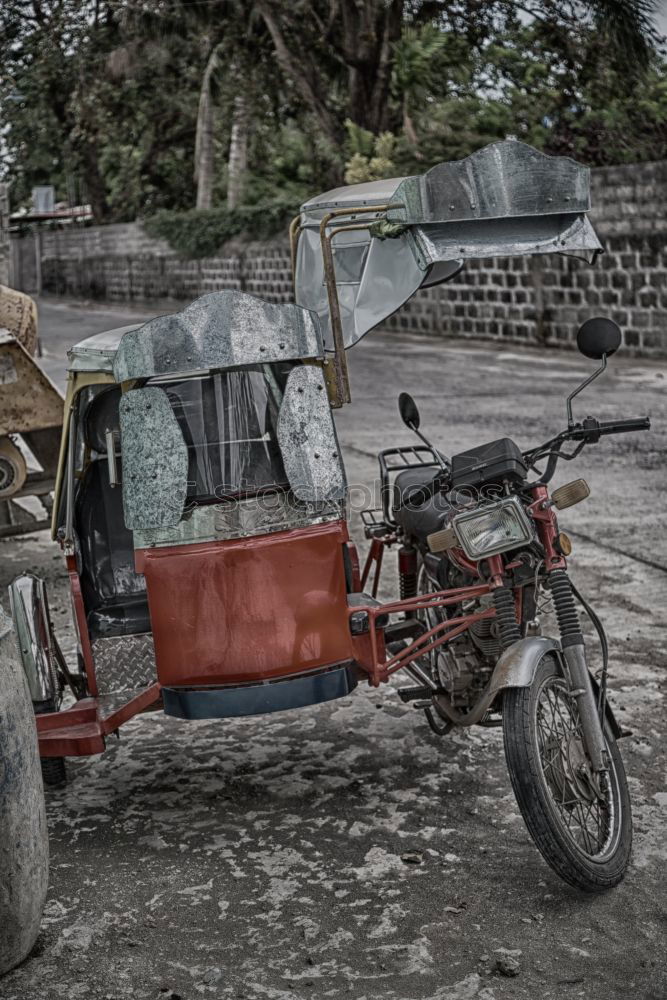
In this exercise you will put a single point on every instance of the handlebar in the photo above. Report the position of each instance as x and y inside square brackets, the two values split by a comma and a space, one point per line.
[589, 431]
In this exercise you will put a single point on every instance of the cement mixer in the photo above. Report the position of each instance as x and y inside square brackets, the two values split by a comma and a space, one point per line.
[31, 415]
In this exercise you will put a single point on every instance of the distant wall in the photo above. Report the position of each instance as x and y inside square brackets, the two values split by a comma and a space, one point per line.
[527, 300]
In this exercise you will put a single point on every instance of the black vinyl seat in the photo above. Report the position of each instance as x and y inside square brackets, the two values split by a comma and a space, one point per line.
[125, 617]
[424, 520]
[114, 594]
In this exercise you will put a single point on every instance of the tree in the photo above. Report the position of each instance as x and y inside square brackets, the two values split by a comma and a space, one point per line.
[361, 39]
[204, 165]
[418, 71]
[237, 163]
[43, 68]
[116, 101]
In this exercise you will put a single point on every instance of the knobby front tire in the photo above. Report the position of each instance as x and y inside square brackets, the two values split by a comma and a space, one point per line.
[584, 838]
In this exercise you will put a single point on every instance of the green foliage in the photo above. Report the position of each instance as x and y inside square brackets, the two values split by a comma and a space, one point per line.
[201, 234]
[100, 97]
[371, 156]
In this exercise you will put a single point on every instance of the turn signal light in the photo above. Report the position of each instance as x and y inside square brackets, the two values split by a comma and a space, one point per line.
[571, 493]
[563, 544]
[442, 540]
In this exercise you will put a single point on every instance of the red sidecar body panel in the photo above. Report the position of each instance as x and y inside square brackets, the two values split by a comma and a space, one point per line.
[248, 609]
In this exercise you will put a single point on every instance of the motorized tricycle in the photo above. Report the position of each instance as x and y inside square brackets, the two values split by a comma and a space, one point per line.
[201, 508]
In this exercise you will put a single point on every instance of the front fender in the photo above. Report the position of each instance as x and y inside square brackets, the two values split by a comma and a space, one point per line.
[518, 663]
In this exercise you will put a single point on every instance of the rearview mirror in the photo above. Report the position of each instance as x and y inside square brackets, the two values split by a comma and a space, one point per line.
[598, 337]
[408, 410]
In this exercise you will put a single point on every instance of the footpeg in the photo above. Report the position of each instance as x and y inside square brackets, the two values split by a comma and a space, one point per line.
[413, 694]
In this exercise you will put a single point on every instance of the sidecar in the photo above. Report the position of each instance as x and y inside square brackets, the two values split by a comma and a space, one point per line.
[201, 495]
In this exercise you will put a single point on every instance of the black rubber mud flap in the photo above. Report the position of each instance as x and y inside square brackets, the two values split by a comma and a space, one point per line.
[24, 845]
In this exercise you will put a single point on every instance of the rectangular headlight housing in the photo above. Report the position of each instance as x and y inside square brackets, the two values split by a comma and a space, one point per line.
[497, 528]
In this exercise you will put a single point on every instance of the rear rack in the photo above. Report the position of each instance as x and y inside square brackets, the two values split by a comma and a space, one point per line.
[375, 526]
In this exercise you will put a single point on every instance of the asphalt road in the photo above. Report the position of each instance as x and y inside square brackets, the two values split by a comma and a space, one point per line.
[262, 858]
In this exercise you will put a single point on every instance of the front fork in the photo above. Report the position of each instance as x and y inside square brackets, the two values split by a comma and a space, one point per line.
[571, 637]
[574, 654]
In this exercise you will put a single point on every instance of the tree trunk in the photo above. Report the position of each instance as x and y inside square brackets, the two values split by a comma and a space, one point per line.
[301, 67]
[205, 136]
[369, 33]
[362, 34]
[238, 151]
[409, 127]
[94, 182]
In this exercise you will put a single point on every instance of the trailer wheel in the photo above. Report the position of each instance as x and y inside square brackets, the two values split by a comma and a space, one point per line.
[13, 468]
[24, 846]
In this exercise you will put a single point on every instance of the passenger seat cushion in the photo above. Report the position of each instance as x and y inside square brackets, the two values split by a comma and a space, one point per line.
[125, 617]
[423, 520]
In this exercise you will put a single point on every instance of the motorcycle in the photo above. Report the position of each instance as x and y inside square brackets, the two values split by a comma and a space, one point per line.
[481, 557]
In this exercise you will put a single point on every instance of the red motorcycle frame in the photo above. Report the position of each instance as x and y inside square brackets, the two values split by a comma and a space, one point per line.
[81, 729]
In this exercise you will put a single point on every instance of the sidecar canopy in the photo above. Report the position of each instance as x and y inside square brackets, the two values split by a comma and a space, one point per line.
[371, 246]
[225, 399]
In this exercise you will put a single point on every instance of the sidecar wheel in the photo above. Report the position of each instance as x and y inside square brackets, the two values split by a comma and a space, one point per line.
[53, 771]
[53, 768]
[24, 846]
[585, 837]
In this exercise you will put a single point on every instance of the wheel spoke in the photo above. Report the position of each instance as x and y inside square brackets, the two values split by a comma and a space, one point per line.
[560, 744]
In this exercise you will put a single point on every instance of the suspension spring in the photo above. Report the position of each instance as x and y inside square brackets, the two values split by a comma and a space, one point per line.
[407, 571]
[508, 626]
[566, 611]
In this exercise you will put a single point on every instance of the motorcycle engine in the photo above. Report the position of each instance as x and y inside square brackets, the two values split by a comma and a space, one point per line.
[465, 665]
[485, 636]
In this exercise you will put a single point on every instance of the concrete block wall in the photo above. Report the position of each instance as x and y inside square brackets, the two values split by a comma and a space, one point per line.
[539, 300]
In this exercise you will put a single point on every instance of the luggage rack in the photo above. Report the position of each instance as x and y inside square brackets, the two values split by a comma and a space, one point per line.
[395, 460]
[375, 525]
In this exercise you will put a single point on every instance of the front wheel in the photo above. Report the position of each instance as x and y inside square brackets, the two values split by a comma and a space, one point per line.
[581, 824]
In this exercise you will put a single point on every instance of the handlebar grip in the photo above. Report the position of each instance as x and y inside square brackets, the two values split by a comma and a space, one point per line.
[625, 426]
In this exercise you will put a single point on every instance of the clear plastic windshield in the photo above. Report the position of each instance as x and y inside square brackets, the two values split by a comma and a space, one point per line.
[228, 421]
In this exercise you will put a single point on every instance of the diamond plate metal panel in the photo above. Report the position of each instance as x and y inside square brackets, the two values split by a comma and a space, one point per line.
[124, 663]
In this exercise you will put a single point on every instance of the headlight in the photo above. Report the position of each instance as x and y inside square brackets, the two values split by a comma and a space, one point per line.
[486, 532]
